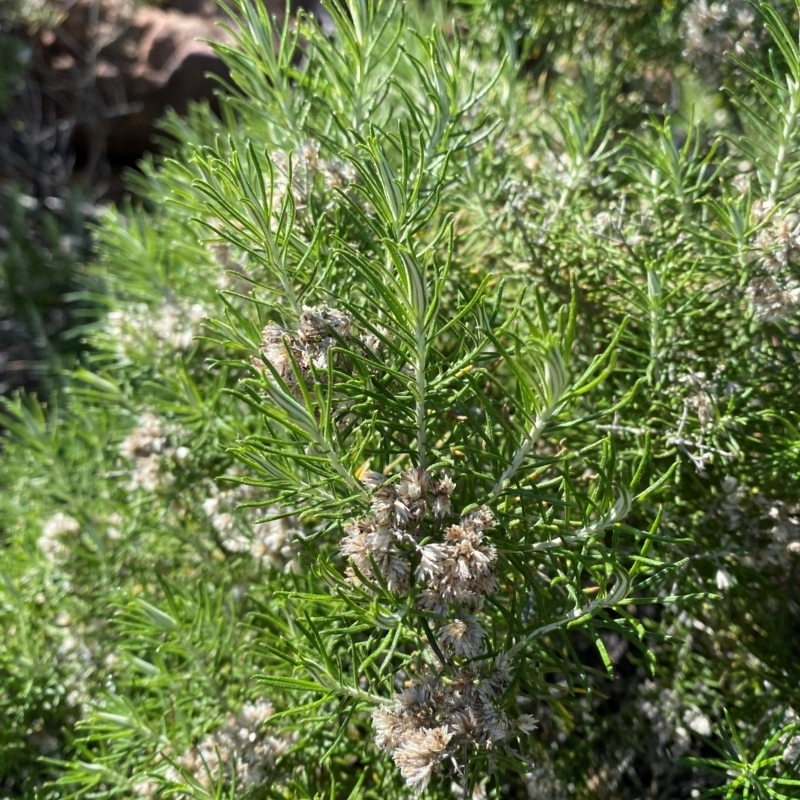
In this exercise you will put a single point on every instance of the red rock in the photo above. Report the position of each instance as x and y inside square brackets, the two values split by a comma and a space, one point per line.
[138, 61]
[112, 68]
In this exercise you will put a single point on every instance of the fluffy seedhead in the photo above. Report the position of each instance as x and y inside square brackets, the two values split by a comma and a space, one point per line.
[435, 719]
[319, 329]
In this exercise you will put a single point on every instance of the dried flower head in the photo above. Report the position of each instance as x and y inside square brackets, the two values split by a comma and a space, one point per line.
[712, 29]
[387, 537]
[460, 570]
[773, 299]
[418, 754]
[240, 747]
[153, 460]
[319, 329]
[272, 542]
[462, 637]
[50, 542]
[433, 717]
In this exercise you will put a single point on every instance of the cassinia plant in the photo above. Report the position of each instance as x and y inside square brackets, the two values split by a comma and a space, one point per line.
[439, 434]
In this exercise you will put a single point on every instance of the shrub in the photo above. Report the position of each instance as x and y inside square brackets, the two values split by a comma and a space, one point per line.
[439, 435]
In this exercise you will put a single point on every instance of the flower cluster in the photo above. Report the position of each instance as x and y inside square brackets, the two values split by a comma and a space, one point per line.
[775, 293]
[713, 29]
[147, 447]
[778, 242]
[387, 537]
[269, 542]
[407, 534]
[306, 164]
[318, 330]
[460, 570]
[432, 719]
[453, 566]
[773, 299]
[50, 542]
[169, 328]
[239, 748]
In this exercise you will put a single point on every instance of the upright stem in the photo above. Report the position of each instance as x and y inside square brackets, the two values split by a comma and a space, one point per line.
[539, 424]
[283, 276]
[467, 794]
[786, 136]
[420, 378]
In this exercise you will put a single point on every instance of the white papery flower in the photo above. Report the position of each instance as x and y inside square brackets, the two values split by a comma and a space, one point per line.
[418, 754]
[57, 526]
[272, 542]
[240, 747]
[724, 579]
[791, 753]
[462, 637]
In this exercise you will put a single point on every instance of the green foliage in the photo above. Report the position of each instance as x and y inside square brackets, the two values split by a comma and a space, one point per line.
[434, 392]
